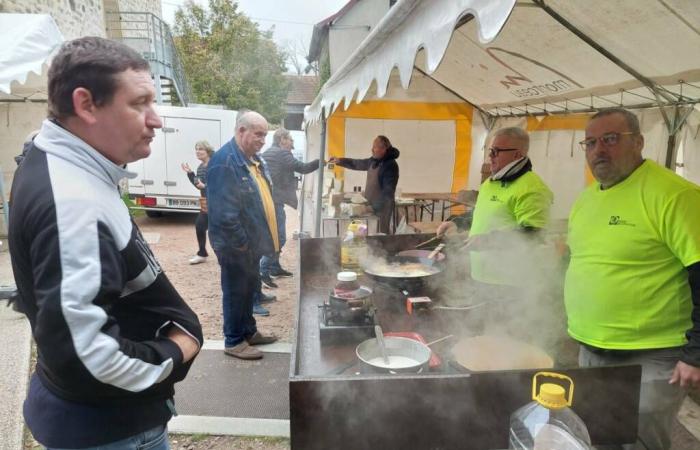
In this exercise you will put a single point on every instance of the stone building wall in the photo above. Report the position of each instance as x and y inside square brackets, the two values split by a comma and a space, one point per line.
[74, 18]
[151, 6]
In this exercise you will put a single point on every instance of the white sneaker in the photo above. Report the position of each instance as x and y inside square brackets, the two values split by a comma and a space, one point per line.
[196, 259]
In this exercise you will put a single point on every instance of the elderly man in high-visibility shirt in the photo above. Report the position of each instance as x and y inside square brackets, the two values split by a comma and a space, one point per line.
[633, 284]
[513, 205]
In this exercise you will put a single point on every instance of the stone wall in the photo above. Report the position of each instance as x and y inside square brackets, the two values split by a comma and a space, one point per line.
[151, 6]
[77, 18]
[74, 18]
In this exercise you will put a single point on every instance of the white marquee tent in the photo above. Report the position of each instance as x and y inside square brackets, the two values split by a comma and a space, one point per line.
[540, 64]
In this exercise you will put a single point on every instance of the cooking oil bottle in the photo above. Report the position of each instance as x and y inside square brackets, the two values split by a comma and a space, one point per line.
[547, 423]
[354, 246]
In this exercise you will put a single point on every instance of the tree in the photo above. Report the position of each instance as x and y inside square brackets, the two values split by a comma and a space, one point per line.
[228, 60]
[296, 56]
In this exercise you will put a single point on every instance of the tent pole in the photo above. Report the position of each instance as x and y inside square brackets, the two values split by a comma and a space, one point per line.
[600, 49]
[319, 186]
[674, 127]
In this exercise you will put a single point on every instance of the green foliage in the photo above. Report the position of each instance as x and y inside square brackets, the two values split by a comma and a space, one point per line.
[324, 69]
[228, 60]
[130, 204]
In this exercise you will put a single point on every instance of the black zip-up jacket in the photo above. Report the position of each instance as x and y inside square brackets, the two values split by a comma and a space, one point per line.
[388, 174]
[282, 165]
[97, 300]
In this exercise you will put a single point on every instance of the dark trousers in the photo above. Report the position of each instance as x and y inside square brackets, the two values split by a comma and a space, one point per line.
[200, 227]
[385, 213]
[240, 282]
[269, 263]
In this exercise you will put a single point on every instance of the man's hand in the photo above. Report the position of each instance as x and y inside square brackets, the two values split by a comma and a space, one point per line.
[187, 344]
[688, 376]
[446, 228]
[199, 185]
[186, 167]
[333, 160]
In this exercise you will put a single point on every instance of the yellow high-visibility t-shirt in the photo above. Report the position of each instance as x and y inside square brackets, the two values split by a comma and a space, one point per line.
[266, 196]
[627, 284]
[523, 202]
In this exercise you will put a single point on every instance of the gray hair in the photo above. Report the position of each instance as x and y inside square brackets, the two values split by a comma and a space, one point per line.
[239, 116]
[630, 117]
[516, 133]
[280, 134]
[206, 146]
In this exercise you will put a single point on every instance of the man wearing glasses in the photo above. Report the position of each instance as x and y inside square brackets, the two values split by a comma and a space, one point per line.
[513, 203]
[633, 284]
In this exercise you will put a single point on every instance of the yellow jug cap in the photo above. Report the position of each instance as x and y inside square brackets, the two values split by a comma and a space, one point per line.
[551, 396]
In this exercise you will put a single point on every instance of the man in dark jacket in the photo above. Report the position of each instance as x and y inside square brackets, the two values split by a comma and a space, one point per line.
[282, 165]
[242, 228]
[382, 178]
[113, 335]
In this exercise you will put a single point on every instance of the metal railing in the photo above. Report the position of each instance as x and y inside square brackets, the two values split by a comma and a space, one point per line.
[149, 35]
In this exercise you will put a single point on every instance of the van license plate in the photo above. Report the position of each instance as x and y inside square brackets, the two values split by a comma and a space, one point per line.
[183, 203]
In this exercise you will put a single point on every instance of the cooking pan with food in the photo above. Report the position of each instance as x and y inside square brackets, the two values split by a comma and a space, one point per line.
[403, 270]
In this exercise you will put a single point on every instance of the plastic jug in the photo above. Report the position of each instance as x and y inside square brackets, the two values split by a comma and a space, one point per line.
[547, 423]
[353, 248]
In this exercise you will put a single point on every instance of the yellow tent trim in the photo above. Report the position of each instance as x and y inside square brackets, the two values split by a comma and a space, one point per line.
[461, 113]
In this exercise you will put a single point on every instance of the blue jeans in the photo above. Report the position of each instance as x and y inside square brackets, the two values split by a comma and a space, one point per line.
[270, 263]
[153, 439]
[240, 282]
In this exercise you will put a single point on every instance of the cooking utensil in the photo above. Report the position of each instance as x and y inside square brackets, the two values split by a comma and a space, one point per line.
[435, 360]
[429, 241]
[440, 340]
[406, 356]
[380, 342]
[439, 257]
[434, 253]
[429, 270]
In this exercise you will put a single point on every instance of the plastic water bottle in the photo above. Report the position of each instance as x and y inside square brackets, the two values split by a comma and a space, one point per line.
[353, 248]
[548, 422]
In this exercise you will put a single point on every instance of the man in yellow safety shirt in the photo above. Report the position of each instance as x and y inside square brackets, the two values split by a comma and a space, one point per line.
[633, 283]
[513, 203]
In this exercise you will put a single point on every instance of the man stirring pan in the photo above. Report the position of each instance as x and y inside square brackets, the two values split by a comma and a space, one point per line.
[513, 202]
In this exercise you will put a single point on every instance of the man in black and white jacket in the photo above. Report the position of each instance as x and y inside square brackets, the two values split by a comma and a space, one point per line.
[113, 335]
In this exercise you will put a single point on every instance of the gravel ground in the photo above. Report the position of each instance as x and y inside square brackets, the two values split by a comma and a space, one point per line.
[200, 286]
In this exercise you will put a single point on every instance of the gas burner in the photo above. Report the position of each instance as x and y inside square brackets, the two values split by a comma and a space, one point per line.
[345, 325]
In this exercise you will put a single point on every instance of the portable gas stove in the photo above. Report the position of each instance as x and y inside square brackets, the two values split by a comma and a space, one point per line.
[343, 320]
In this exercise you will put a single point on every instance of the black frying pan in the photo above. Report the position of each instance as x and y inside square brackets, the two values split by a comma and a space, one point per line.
[432, 269]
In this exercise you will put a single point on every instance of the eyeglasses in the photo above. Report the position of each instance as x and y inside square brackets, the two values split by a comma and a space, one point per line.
[494, 151]
[608, 140]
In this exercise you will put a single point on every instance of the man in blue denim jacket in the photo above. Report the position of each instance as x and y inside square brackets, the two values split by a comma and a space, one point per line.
[242, 227]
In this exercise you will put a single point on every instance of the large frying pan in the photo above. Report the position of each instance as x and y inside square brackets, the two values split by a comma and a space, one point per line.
[428, 271]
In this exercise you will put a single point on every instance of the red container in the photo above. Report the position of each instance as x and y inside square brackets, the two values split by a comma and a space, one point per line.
[434, 361]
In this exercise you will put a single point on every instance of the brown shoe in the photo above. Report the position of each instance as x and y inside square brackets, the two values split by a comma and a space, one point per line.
[243, 351]
[261, 339]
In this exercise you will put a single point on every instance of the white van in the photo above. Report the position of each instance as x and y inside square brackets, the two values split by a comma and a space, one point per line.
[161, 184]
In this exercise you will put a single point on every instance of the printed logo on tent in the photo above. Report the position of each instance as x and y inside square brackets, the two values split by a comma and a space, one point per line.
[523, 86]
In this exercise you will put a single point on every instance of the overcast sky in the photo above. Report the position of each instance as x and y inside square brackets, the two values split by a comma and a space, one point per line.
[293, 19]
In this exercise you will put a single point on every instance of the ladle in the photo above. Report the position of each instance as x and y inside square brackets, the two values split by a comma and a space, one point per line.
[380, 340]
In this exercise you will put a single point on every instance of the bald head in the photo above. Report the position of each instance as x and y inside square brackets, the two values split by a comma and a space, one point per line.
[251, 129]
